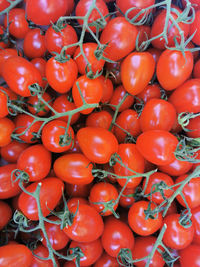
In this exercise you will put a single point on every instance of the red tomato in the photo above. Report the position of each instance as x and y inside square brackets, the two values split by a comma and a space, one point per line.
[177, 236]
[194, 27]
[116, 235]
[74, 169]
[178, 68]
[75, 201]
[19, 74]
[143, 32]
[120, 36]
[50, 186]
[15, 255]
[61, 76]
[113, 70]
[157, 146]
[87, 225]
[54, 136]
[101, 119]
[137, 70]
[196, 224]
[138, 222]
[150, 92]
[106, 261]
[40, 64]
[133, 160]
[43, 252]
[98, 144]
[5, 54]
[37, 106]
[3, 103]
[194, 127]
[107, 89]
[5, 214]
[38, 12]
[190, 256]
[78, 190]
[35, 161]
[12, 151]
[6, 129]
[127, 198]
[3, 5]
[196, 70]
[157, 114]
[56, 40]
[155, 53]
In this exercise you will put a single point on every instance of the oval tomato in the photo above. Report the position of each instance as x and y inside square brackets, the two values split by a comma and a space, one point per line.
[106, 261]
[5, 214]
[6, 129]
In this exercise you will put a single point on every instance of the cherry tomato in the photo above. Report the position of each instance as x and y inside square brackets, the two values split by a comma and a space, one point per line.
[3, 103]
[107, 89]
[143, 33]
[6, 129]
[127, 198]
[43, 252]
[5, 214]
[5, 54]
[155, 53]
[196, 224]
[106, 261]
[196, 72]
[190, 256]
[4, 4]
[194, 27]
[194, 128]
[150, 92]
[113, 69]
[75, 201]
[40, 64]
[101, 119]
[37, 106]
[78, 190]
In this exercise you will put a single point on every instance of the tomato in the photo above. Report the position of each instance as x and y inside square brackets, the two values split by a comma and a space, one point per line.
[3, 5]
[150, 92]
[74, 169]
[91, 90]
[137, 70]
[15, 255]
[78, 190]
[5, 54]
[155, 53]
[186, 98]
[120, 37]
[155, 178]
[35, 161]
[83, 8]
[178, 68]
[23, 122]
[143, 33]
[40, 64]
[87, 225]
[190, 256]
[139, 223]
[5, 214]
[129, 121]
[133, 160]
[98, 144]
[62, 104]
[196, 223]
[177, 236]
[103, 192]
[38, 12]
[6, 129]
[127, 198]
[54, 136]
[56, 40]
[143, 247]
[3, 103]
[75, 201]
[91, 250]
[113, 69]
[37, 106]
[18, 25]
[19, 74]
[194, 27]
[43, 252]
[157, 114]
[106, 261]
[61, 76]
[101, 119]
[34, 45]
[107, 89]
[196, 72]
[157, 146]
[172, 31]
[89, 50]
[50, 186]
[116, 235]
[194, 128]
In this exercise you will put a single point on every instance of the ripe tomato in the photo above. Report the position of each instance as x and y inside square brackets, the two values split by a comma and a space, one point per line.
[194, 27]
[43, 252]
[107, 89]
[194, 127]
[116, 235]
[38, 12]
[37, 106]
[178, 68]
[143, 33]
[106, 261]
[15, 254]
[74, 169]
[157, 114]
[5, 54]
[3, 103]
[6, 129]
[114, 70]
[127, 198]
[137, 70]
[150, 92]
[78, 190]
[54, 137]
[196, 224]
[5, 214]
[155, 53]
[75, 201]
[3, 5]
[196, 72]
[120, 37]
[190, 256]
[36, 161]
[19, 74]
[40, 64]
[50, 186]
[133, 160]
[101, 119]
[61, 76]
[87, 225]
[157, 146]
[98, 144]
[138, 222]
[176, 236]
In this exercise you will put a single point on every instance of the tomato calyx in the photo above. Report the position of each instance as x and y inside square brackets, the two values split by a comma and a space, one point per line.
[184, 119]
[35, 89]
[108, 206]
[124, 257]
[19, 175]
[65, 139]
[75, 253]
[185, 218]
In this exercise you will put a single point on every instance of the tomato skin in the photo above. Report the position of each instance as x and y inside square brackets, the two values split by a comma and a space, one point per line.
[106, 261]
[150, 92]
[3, 103]
[186, 98]
[194, 27]
[91, 250]
[61, 76]
[22, 256]
[3, 5]
[75, 201]
[40, 64]
[6, 129]
[143, 246]
[42, 252]
[74, 169]
[140, 66]
[5, 54]
[131, 158]
[19, 74]
[54, 41]
[125, 200]
[38, 12]
[49, 186]
[194, 127]
[157, 146]
[176, 236]
[137, 221]
[35, 104]
[99, 119]
[190, 256]
[196, 72]
[76, 190]
[196, 223]
[97, 144]
[178, 68]
[157, 114]
[107, 89]
[5, 214]
[155, 53]
[36, 161]
[116, 235]
[87, 225]
[120, 36]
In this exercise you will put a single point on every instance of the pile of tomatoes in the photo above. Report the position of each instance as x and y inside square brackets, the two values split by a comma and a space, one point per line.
[99, 133]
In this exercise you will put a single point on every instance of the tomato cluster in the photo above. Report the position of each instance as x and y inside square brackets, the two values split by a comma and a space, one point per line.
[99, 133]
